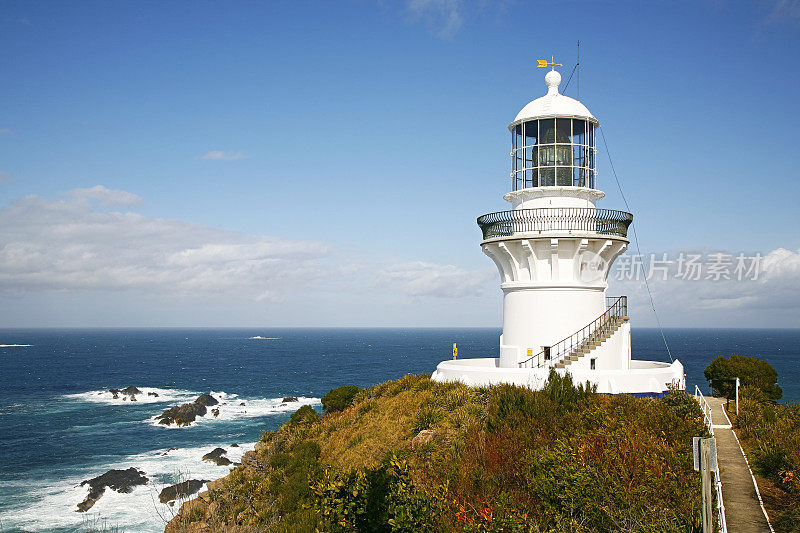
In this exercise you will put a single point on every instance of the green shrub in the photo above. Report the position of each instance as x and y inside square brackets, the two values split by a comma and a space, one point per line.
[683, 404]
[339, 399]
[752, 372]
[306, 415]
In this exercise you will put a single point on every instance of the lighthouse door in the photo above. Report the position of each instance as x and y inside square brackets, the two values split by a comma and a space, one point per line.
[546, 350]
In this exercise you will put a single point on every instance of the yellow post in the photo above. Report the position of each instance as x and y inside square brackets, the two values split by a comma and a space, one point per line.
[455, 351]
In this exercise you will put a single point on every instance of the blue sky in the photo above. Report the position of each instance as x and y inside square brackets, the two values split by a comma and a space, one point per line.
[323, 163]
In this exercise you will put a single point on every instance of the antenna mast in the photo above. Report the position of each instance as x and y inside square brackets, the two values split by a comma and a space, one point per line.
[579, 70]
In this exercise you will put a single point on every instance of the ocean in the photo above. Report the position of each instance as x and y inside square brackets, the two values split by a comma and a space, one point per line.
[60, 426]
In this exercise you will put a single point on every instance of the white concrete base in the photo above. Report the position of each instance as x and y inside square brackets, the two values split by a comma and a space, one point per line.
[642, 378]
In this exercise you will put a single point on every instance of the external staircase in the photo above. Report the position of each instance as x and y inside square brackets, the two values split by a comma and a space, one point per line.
[584, 341]
[598, 337]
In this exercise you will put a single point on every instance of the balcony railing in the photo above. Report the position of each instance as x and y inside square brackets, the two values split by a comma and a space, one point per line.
[555, 219]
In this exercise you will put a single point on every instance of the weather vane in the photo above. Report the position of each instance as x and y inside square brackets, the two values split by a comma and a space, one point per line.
[545, 63]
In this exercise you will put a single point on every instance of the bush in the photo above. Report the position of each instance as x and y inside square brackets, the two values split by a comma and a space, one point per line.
[304, 416]
[339, 399]
[752, 372]
[683, 404]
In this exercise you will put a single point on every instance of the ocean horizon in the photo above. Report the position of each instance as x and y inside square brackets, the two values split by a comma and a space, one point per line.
[59, 425]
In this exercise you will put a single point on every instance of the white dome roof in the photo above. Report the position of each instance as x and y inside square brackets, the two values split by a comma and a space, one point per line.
[553, 104]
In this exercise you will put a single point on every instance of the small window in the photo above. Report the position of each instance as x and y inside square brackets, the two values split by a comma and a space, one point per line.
[593, 363]
[546, 350]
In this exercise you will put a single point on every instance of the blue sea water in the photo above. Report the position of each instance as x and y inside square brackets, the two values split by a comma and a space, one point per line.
[58, 426]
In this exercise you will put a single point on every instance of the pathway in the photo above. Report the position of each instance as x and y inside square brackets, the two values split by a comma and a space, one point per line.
[742, 509]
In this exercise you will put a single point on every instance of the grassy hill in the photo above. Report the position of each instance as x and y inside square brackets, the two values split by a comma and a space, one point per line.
[414, 455]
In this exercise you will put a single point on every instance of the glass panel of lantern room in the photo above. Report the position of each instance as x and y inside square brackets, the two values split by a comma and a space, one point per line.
[547, 176]
[563, 130]
[578, 131]
[591, 135]
[518, 136]
[579, 156]
[564, 176]
[579, 177]
[531, 132]
[547, 131]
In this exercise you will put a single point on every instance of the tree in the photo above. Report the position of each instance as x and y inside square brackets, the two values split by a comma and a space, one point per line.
[752, 372]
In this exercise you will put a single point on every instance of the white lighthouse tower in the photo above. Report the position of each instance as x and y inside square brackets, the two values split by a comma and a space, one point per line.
[554, 249]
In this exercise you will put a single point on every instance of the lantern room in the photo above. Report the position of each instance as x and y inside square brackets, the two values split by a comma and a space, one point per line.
[553, 142]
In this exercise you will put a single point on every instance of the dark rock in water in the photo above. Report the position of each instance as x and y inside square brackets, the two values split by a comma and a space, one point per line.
[215, 412]
[289, 399]
[181, 490]
[207, 400]
[234, 445]
[133, 398]
[217, 455]
[130, 391]
[114, 393]
[155, 394]
[119, 480]
[183, 415]
[242, 403]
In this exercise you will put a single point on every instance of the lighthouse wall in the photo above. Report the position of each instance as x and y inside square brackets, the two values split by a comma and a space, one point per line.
[553, 285]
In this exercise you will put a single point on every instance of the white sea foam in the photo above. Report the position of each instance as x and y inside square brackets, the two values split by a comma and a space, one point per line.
[14, 345]
[106, 397]
[55, 506]
[234, 407]
[259, 337]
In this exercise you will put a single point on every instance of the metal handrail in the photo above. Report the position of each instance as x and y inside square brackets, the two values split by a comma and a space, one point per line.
[722, 520]
[557, 352]
[550, 219]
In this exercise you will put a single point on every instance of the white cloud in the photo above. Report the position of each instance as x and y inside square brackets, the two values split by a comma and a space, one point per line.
[106, 196]
[77, 245]
[224, 155]
[443, 16]
[74, 245]
[770, 300]
[440, 281]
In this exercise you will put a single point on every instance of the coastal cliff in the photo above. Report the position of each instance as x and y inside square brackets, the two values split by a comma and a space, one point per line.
[414, 455]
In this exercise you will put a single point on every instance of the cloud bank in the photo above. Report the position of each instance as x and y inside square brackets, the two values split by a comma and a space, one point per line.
[78, 244]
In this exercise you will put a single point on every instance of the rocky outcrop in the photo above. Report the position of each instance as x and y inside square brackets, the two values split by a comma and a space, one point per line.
[183, 415]
[130, 390]
[181, 490]
[288, 399]
[119, 480]
[207, 400]
[217, 455]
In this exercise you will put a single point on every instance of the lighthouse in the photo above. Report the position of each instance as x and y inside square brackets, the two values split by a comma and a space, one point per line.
[554, 248]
